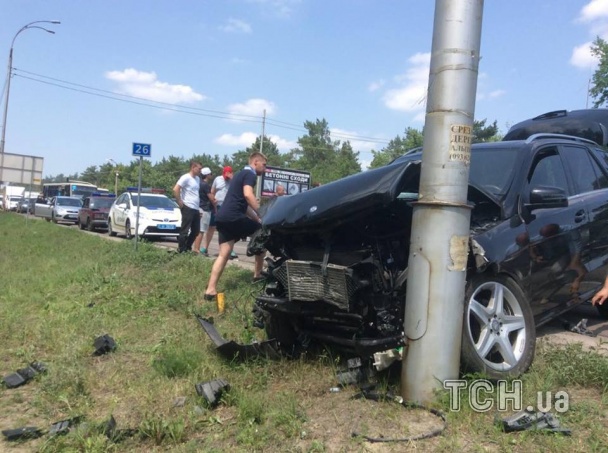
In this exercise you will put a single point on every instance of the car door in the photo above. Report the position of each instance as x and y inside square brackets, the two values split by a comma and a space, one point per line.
[557, 234]
[120, 215]
[591, 181]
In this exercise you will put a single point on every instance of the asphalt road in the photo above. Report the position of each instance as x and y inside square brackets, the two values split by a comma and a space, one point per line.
[555, 331]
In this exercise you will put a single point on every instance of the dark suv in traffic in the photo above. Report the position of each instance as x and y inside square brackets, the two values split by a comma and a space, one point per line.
[538, 247]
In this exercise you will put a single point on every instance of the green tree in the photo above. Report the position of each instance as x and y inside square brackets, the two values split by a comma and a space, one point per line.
[398, 146]
[599, 90]
[325, 159]
[483, 133]
[270, 150]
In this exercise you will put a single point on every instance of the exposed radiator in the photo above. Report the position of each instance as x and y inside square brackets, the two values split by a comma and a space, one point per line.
[305, 281]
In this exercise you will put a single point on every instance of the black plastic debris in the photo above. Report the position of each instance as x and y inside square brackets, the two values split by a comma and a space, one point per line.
[104, 344]
[212, 391]
[232, 350]
[354, 374]
[64, 426]
[530, 420]
[109, 429]
[28, 432]
[24, 375]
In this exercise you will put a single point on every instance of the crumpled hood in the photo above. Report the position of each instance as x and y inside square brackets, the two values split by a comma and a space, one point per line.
[346, 197]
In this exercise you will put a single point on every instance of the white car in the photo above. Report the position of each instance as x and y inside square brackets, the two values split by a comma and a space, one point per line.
[158, 215]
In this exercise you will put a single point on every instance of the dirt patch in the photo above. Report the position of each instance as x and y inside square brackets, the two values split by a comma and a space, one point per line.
[339, 420]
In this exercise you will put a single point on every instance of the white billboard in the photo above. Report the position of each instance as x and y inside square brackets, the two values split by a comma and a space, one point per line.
[21, 169]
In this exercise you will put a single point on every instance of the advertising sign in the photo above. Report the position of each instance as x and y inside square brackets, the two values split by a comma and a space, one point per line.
[20, 169]
[293, 181]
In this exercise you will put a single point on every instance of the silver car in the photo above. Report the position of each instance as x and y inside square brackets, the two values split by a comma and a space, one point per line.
[60, 209]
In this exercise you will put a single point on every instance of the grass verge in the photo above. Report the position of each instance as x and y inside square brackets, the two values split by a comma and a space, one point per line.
[61, 288]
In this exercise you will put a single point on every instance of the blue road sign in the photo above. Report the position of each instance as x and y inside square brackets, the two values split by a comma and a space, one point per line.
[142, 150]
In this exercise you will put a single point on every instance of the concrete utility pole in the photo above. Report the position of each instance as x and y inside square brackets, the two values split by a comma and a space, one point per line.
[441, 218]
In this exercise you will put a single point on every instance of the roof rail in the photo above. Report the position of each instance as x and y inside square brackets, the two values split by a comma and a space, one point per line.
[540, 136]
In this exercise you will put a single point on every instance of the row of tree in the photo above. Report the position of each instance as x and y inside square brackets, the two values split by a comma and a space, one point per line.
[325, 159]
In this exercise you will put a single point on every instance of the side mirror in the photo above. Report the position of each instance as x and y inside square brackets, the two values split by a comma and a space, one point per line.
[122, 205]
[547, 197]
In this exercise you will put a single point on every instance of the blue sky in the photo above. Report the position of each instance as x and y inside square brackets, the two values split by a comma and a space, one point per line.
[214, 66]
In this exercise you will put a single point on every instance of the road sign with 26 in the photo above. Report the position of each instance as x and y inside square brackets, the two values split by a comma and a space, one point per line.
[142, 150]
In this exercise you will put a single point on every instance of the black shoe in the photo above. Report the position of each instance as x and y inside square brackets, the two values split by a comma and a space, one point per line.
[210, 297]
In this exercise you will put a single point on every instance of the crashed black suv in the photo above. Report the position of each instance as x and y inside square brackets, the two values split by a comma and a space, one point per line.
[539, 246]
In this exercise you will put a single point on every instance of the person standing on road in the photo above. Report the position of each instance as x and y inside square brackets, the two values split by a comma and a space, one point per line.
[219, 189]
[187, 198]
[205, 208]
[237, 219]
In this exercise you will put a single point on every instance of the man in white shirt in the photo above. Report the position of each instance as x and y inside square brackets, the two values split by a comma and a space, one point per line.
[186, 193]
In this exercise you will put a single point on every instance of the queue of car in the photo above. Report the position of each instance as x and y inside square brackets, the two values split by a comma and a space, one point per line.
[159, 216]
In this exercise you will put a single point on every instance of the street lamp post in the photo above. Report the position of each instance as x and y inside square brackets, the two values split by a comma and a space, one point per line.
[115, 176]
[10, 69]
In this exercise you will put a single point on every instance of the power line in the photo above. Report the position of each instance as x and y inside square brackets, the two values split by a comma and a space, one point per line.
[178, 107]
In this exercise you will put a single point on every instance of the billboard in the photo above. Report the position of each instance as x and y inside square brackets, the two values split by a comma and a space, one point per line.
[294, 181]
[21, 169]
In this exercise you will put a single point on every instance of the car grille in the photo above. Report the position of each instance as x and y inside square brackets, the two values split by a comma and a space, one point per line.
[305, 281]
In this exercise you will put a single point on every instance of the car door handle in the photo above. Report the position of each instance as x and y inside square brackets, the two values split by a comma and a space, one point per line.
[579, 216]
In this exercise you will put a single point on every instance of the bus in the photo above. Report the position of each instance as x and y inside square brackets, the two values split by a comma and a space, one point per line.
[67, 189]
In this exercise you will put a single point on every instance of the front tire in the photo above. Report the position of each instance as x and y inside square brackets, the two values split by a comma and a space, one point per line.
[499, 334]
[128, 230]
[110, 231]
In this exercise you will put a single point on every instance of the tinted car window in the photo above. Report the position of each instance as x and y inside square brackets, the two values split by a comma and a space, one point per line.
[99, 203]
[485, 161]
[549, 171]
[581, 167]
[69, 202]
[153, 202]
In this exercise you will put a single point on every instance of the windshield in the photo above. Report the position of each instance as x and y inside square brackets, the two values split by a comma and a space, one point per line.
[154, 202]
[68, 202]
[492, 169]
[100, 203]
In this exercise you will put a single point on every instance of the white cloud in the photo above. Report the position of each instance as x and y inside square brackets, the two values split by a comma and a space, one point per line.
[582, 58]
[281, 8]
[147, 86]
[496, 94]
[375, 86]
[594, 10]
[252, 107]
[248, 138]
[236, 26]
[358, 145]
[411, 96]
[245, 139]
[595, 15]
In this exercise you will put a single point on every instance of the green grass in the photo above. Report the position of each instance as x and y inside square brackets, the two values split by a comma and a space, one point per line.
[61, 288]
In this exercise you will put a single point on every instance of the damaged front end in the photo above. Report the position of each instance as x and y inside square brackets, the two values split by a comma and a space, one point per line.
[339, 262]
[337, 273]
